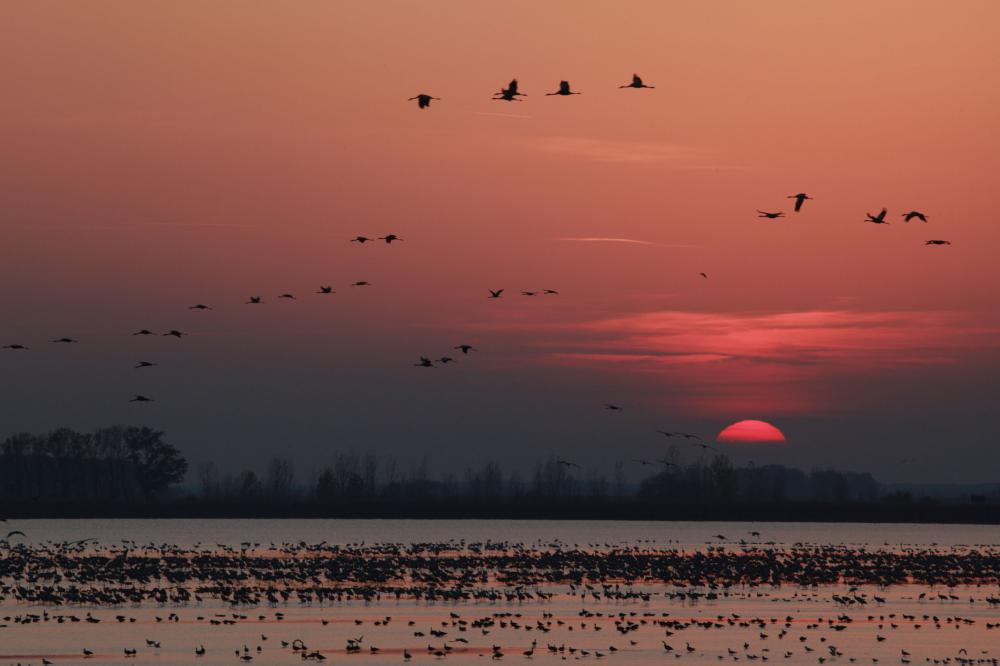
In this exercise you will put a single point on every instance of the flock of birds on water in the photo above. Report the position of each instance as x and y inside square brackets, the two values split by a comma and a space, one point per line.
[496, 599]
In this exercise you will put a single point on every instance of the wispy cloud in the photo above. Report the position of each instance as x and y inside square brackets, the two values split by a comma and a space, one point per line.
[632, 241]
[803, 361]
[603, 150]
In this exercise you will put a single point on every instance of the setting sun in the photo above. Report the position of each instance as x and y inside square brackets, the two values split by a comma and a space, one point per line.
[751, 432]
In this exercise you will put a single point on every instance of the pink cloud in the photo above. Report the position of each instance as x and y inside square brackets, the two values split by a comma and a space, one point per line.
[787, 362]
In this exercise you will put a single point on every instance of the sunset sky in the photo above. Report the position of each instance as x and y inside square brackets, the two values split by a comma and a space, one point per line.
[160, 154]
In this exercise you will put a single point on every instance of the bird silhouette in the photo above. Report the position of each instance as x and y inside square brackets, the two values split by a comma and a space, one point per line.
[326, 290]
[704, 275]
[290, 297]
[914, 214]
[360, 239]
[877, 219]
[495, 294]
[144, 331]
[800, 198]
[423, 101]
[199, 306]
[173, 333]
[424, 363]
[510, 93]
[16, 533]
[444, 360]
[390, 238]
[361, 283]
[551, 292]
[465, 348]
[529, 293]
[253, 300]
[140, 398]
[64, 340]
[612, 408]
[563, 90]
[636, 83]
[770, 216]
[144, 364]
[937, 242]
[567, 463]
[15, 347]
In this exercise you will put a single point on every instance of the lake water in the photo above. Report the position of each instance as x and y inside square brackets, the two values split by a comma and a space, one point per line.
[795, 624]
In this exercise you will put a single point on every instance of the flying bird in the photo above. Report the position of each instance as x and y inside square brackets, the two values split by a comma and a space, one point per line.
[361, 283]
[254, 299]
[144, 331]
[14, 346]
[563, 90]
[64, 340]
[800, 198]
[877, 219]
[15, 533]
[636, 83]
[566, 463]
[424, 363]
[495, 294]
[770, 216]
[140, 398]
[529, 293]
[444, 360]
[550, 291]
[423, 101]
[173, 333]
[144, 364]
[937, 242]
[465, 348]
[290, 297]
[390, 238]
[199, 306]
[326, 290]
[360, 239]
[914, 214]
[704, 275]
[612, 408]
[510, 93]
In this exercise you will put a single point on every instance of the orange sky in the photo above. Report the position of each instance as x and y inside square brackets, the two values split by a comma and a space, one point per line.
[160, 154]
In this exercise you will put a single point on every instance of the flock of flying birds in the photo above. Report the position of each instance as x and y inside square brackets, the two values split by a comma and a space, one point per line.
[511, 93]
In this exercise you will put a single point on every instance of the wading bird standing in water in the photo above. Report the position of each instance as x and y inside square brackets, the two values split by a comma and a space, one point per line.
[636, 83]
[877, 219]
[800, 198]
[423, 101]
[563, 90]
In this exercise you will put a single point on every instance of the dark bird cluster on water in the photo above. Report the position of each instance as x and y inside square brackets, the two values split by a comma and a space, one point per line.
[503, 599]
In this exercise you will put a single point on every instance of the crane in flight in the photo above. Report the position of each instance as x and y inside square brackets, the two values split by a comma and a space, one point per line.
[877, 219]
[636, 83]
[423, 100]
[914, 214]
[770, 216]
[800, 198]
[563, 90]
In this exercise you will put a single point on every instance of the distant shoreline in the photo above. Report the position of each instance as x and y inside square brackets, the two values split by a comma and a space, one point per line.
[916, 512]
